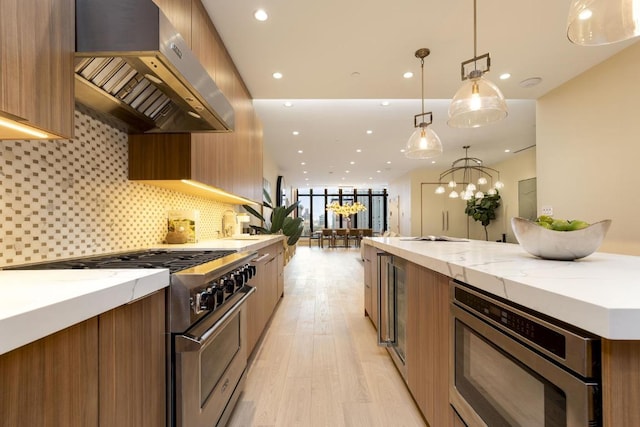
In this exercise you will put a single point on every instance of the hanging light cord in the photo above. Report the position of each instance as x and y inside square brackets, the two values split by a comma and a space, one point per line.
[475, 36]
[422, 83]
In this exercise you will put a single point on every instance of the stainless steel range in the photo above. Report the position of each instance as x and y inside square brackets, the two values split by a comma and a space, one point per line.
[206, 353]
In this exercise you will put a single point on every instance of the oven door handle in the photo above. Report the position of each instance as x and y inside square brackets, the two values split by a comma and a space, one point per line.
[187, 344]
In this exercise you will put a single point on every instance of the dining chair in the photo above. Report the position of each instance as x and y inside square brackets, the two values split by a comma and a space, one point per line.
[355, 236]
[327, 234]
[341, 234]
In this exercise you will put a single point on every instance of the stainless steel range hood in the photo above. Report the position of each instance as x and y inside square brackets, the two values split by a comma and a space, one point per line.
[131, 63]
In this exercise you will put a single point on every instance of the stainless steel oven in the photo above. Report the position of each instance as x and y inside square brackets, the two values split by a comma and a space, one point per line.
[392, 308]
[209, 339]
[210, 360]
[515, 367]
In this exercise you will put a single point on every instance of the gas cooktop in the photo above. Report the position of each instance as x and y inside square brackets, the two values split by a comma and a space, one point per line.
[173, 260]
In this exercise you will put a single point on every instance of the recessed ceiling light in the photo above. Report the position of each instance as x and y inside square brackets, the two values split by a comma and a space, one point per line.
[533, 81]
[505, 76]
[260, 15]
[402, 150]
[295, 132]
[303, 163]
[370, 177]
[299, 151]
[346, 171]
[433, 162]
[389, 162]
[306, 179]
[407, 75]
[288, 104]
[277, 75]
[369, 132]
[507, 151]
[385, 103]
[358, 151]
[304, 171]
[352, 162]
[378, 171]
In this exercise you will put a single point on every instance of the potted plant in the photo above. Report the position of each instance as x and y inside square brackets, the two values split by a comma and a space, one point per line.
[483, 210]
[279, 220]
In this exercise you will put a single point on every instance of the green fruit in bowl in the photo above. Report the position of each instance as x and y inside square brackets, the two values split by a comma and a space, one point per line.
[576, 224]
[544, 225]
[560, 225]
[544, 218]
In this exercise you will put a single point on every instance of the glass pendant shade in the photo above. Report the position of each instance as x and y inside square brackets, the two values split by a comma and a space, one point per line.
[440, 190]
[477, 103]
[453, 195]
[479, 195]
[601, 22]
[424, 143]
[482, 180]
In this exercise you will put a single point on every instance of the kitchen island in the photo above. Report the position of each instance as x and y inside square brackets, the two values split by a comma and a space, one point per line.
[599, 294]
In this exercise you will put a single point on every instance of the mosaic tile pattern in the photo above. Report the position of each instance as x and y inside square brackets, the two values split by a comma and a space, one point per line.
[68, 198]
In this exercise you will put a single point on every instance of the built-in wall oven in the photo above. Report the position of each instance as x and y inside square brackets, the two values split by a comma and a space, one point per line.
[515, 367]
[392, 308]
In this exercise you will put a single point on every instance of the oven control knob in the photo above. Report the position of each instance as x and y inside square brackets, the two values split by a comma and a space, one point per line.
[229, 285]
[239, 278]
[204, 301]
[252, 270]
[245, 274]
[220, 296]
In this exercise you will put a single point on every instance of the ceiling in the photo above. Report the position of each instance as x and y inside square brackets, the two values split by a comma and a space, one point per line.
[340, 59]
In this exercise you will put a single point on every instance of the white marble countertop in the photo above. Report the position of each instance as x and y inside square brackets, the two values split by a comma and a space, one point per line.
[599, 293]
[37, 303]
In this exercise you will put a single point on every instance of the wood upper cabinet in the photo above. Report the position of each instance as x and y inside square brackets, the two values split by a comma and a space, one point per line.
[179, 14]
[53, 381]
[229, 161]
[427, 353]
[37, 44]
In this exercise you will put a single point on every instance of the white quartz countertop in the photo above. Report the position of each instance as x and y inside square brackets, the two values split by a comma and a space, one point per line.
[37, 303]
[599, 293]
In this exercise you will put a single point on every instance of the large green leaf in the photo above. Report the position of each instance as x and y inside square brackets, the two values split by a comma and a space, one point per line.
[253, 212]
[277, 219]
[267, 199]
[292, 207]
[291, 225]
[293, 239]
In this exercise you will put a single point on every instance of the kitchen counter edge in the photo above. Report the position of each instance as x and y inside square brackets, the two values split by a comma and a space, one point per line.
[599, 293]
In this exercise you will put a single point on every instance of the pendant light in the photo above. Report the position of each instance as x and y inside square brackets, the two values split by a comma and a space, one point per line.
[600, 22]
[424, 143]
[478, 102]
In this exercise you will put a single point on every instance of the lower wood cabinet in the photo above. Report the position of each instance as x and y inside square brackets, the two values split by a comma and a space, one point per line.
[427, 341]
[106, 371]
[620, 383]
[53, 381]
[371, 284]
[132, 364]
[262, 303]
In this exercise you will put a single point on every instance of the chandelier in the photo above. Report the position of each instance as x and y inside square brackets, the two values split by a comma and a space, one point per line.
[478, 102]
[473, 174]
[346, 209]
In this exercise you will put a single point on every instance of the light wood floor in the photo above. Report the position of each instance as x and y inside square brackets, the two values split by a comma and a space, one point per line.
[319, 364]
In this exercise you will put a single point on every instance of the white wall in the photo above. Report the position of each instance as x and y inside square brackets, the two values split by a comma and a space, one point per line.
[588, 140]
[408, 188]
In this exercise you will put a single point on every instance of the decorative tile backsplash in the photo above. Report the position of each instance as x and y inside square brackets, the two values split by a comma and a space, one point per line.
[69, 198]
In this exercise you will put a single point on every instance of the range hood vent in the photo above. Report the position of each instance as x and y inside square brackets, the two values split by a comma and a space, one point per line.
[132, 64]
